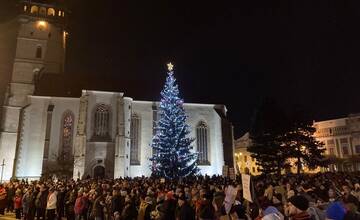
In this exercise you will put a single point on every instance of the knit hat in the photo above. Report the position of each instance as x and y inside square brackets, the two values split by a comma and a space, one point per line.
[299, 202]
[335, 211]
[270, 210]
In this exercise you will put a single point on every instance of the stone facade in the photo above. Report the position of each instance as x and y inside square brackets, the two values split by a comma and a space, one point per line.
[342, 141]
[243, 160]
[37, 46]
[112, 155]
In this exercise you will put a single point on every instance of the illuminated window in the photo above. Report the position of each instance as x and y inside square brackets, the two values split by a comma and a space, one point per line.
[63, 14]
[25, 7]
[202, 143]
[135, 140]
[102, 118]
[34, 9]
[38, 52]
[51, 12]
[42, 11]
[59, 13]
[67, 134]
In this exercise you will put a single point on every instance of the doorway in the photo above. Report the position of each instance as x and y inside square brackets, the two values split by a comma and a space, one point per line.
[99, 172]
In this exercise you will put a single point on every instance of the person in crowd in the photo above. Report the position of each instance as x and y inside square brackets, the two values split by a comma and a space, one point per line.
[186, 212]
[26, 200]
[17, 204]
[169, 206]
[145, 208]
[297, 208]
[3, 199]
[60, 209]
[202, 197]
[51, 204]
[335, 211]
[79, 207]
[129, 211]
[10, 197]
[41, 202]
[206, 209]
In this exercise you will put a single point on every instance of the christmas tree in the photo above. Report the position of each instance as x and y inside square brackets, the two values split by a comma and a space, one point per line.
[172, 157]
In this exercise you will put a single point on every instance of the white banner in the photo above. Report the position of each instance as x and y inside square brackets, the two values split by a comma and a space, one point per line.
[246, 187]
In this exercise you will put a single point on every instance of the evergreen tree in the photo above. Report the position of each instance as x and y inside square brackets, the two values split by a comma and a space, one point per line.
[266, 134]
[300, 143]
[172, 157]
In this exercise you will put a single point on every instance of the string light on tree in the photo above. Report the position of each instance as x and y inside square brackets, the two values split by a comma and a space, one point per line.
[171, 145]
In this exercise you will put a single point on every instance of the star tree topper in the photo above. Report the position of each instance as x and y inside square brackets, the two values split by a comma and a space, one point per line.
[170, 66]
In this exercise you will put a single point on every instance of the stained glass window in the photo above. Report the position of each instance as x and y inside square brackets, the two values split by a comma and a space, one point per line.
[202, 139]
[135, 140]
[102, 118]
[67, 133]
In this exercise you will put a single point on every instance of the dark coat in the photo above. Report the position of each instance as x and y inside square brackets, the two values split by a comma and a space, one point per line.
[117, 204]
[206, 210]
[129, 212]
[168, 209]
[186, 212]
[41, 199]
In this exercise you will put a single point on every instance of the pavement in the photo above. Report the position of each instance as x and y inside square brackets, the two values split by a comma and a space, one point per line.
[7, 216]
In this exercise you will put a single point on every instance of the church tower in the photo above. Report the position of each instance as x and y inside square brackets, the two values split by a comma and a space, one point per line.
[39, 44]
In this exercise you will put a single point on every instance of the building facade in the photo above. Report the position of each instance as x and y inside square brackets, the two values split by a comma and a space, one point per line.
[341, 138]
[103, 134]
[342, 141]
[244, 163]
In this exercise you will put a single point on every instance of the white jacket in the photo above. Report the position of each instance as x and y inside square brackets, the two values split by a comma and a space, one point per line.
[51, 201]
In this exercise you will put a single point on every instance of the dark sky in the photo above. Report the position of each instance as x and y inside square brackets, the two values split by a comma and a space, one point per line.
[229, 52]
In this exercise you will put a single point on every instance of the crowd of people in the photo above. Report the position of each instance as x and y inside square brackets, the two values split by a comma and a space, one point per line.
[295, 197]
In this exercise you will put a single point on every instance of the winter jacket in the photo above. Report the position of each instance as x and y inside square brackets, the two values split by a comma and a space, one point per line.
[17, 202]
[206, 210]
[41, 199]
[51, 201]
[79, 205]
[26, 200]
[186, 212]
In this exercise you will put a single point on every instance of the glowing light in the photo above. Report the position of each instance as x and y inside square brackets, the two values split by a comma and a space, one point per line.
[41, 24]
[170, 66]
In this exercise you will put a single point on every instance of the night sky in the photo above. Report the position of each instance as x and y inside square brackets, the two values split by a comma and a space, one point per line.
[228, 52]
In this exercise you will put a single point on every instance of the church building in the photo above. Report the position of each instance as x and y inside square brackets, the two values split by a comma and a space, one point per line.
[100, 134]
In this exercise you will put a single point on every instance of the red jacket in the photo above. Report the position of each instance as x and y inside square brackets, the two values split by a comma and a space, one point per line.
[79, 205]
[17, 202]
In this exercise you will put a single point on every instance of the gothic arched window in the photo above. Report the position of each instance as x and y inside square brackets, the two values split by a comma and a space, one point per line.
[135, 140]
[67, 127]
[102, 118]
[202, 144]
[38, 52]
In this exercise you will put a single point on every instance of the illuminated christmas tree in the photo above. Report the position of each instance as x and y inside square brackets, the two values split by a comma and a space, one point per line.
[172, 157]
